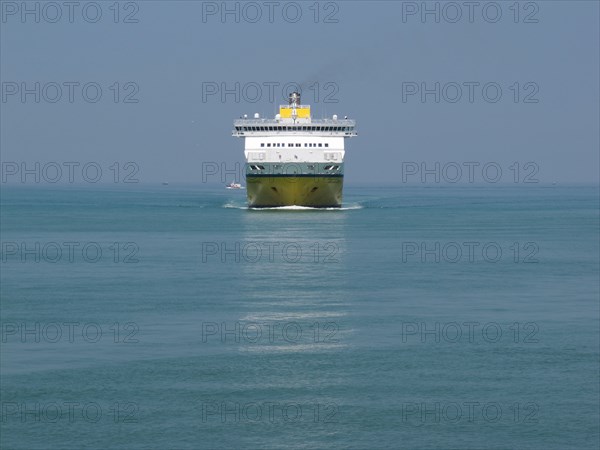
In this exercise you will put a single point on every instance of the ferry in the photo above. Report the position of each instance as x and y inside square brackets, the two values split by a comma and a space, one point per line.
[293, 159]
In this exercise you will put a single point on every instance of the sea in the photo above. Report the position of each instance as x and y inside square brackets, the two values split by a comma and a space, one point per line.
[415, 316]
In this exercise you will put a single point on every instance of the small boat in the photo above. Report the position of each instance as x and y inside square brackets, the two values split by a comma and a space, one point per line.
[234, 185]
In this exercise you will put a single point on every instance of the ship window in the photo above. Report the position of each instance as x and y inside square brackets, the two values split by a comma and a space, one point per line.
[268, 145]
[320, 145]
[326, 145]
[261, 167]
[262, 144]
[305, 144]
[290, 145]
[297, 145]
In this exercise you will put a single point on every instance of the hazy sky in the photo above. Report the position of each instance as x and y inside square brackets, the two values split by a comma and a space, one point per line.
[516, 84]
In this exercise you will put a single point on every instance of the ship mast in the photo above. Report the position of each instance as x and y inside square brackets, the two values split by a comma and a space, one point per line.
[294, 100]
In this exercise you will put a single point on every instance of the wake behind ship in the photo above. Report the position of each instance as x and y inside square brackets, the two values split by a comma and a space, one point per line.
[293, 159]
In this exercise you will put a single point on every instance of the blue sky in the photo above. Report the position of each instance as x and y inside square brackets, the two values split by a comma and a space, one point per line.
[372, 58]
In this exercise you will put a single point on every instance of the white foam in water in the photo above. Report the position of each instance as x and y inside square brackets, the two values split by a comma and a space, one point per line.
[234, 206]
[293, 208]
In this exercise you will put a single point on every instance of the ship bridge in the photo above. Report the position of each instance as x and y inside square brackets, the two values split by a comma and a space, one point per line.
[294, 119]
[270, 127]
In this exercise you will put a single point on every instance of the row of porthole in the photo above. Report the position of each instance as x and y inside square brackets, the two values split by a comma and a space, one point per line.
[292, 145]
[296, 128]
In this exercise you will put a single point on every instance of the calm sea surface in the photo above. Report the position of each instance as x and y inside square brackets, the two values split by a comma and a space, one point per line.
[415, 317]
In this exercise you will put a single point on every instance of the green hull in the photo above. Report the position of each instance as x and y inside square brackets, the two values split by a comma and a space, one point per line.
[304, 190]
